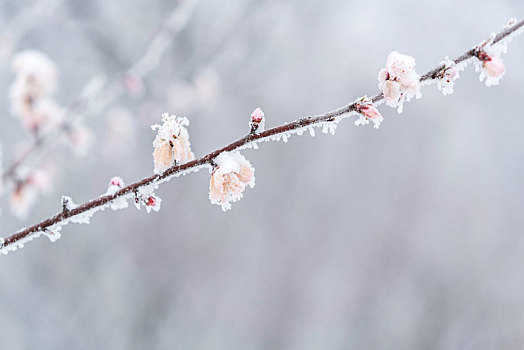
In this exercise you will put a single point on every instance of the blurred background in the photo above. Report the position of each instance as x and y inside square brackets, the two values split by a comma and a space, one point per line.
[405, 237]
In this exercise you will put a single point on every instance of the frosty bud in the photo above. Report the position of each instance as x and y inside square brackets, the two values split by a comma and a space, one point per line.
[257, 121]
[494, 67]
[368, 112]
[151, 201]
[117, 181]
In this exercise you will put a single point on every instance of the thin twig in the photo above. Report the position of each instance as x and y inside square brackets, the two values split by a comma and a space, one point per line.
[245, 142]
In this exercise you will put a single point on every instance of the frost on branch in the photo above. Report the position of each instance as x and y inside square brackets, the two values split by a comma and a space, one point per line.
[398, 81]
[171, 143]
[367, 111]
[257, 122]
[448, 75]
[67, 203]
[229, 179]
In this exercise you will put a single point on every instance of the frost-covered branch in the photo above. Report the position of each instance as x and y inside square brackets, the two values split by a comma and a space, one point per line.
[99, 92]
[231, 172]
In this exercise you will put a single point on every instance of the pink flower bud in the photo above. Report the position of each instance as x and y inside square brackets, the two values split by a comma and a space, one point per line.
[257, 121]
[494, 67]
[151, 201]
[257, 115]
[368, 111]
[117, 181]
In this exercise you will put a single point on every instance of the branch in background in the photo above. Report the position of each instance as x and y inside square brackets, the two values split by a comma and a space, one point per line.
[105, 91]
[394, 84]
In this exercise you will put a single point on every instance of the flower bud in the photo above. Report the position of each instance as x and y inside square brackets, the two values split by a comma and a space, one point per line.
[257, 121]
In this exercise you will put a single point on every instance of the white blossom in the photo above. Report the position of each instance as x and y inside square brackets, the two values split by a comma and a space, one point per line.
[398, 81]
[171, 143]
[229, 179]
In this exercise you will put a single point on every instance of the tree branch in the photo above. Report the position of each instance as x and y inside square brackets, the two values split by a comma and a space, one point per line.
[282, 131]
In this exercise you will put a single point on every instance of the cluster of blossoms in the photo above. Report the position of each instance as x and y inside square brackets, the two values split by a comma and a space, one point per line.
[398, 81]
[31, 100]
[171, 142]
[231, 171]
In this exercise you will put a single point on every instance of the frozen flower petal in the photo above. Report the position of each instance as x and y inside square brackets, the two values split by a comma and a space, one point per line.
[399, 81]
[229, 179]
[171, 143]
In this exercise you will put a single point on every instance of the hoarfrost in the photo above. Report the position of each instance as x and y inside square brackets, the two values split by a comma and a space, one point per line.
[67, 203]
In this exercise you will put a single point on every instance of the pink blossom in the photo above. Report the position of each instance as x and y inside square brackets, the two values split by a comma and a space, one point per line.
[229, 179]
[257, 121]
[147, 199]
[151, 201]
[398, 81]
[368, 112]
[492, 67]
[171, 143]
